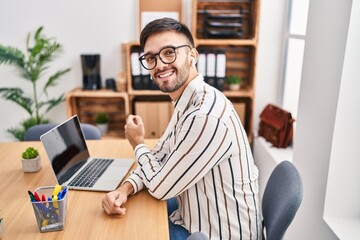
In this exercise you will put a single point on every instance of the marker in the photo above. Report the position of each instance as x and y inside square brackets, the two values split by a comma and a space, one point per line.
[62, 194]
[37, 198]
[56, 190]
[32, 197]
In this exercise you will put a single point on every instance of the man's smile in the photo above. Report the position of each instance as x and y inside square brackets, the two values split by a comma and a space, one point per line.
[165, 74]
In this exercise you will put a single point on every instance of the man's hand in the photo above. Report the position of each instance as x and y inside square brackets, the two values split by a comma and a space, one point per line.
[113, 201]
[134, 130]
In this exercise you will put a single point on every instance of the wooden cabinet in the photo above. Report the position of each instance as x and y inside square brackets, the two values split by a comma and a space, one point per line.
[155, 115]
[86, 104]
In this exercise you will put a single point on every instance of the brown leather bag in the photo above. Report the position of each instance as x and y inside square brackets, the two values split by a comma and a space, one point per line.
[276, 126]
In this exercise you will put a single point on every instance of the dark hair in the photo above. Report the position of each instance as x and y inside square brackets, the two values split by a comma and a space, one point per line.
[162, 25]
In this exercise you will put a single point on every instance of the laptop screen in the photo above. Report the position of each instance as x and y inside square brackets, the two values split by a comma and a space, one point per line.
[66, 148]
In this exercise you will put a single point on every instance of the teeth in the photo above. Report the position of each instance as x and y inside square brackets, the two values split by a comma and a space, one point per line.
[165, 75]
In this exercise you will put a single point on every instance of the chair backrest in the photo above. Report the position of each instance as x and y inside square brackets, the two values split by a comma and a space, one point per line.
[33, 133]
[281, 200]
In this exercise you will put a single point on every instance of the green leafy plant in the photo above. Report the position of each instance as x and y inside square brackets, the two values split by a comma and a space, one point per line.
[30, 153]
[233, 79]
[101, 118]
[32, 65]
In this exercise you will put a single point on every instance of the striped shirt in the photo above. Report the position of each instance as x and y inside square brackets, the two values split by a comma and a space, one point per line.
[204, 159]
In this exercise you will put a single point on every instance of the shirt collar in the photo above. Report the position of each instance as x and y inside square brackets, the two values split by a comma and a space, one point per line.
[184, 98]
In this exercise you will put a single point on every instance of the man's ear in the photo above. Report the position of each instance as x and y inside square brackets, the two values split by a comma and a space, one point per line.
[194, 56]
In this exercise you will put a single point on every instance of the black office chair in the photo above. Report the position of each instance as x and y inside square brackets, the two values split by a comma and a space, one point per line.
[281, 200]
[33, 133]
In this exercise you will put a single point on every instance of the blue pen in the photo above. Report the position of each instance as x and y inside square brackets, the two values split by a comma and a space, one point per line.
[62, 194]
[59, 195]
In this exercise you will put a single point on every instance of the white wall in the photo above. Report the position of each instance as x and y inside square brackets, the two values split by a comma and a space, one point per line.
[344, 178]
[81, 27]
[270, 47]
[268, 76]
[322, 72]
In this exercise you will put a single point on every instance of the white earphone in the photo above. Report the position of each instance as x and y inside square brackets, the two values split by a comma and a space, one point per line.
[193, 62]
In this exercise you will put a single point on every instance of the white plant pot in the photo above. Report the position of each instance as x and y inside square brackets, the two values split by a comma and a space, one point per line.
[31, 165]
[234, 87]
[103, 127]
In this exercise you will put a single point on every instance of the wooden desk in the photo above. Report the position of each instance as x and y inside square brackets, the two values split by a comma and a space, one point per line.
[146, 217]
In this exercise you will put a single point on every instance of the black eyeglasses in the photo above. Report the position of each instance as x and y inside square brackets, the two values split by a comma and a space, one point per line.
[167, 55]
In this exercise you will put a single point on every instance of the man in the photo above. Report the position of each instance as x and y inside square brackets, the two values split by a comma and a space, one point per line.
[203, 158]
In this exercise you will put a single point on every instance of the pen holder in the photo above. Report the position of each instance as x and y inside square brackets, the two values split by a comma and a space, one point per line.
[50, 214]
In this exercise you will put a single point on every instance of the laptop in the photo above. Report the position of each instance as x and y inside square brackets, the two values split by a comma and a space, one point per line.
[70, 160]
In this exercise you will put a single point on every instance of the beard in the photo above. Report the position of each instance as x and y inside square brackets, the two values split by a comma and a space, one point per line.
[182, 75]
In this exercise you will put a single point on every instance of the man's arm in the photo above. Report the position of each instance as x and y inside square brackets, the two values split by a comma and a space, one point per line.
[113, 201]
[201, 143]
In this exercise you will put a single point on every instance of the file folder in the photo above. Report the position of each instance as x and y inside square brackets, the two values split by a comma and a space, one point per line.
[210, 68]
[145, 76]
[136, 71]
[220, 70]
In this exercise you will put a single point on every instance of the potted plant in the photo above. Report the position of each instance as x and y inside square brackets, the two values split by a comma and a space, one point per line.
[233, 82]
[31, 161]
[32, 65]
[102, 122]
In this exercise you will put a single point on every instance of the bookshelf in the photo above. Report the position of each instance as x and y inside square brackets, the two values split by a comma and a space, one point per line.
[240, 54]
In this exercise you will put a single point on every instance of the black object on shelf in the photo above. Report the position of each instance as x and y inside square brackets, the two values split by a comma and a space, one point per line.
[110, 84]
[91, 71]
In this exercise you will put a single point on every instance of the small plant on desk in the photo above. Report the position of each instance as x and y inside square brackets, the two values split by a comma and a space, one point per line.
[102, 122]
[31, 161]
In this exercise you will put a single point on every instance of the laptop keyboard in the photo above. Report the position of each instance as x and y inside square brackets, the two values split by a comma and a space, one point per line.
[91, 173]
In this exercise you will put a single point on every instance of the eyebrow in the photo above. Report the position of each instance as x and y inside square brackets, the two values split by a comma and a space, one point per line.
[149, 52]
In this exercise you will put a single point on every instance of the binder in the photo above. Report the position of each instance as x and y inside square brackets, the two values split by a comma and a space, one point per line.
[210, 68]
[220, 70]
[145, 76]
[201, 64]
[136, 71]
[212, 64]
